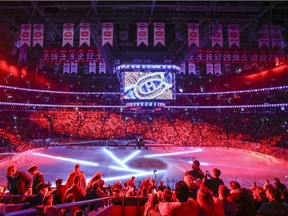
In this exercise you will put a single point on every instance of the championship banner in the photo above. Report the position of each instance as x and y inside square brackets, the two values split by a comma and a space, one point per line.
[84, 36]
[233, 35]
[92, 67]
[102, 67]
[159, 33]
[217, 36]
[209, 68]
[68, 34]
[107, 33]
[63, 55]
[235, 56]
[217, 68]
[66, 67]
[54, 55]
[264, 38]
[142, 33]
[25, 36]
[191, 68]
[72, 55]
[276, 36]
[38, 32]
[81, 55]
[193, 34]
[182, 69]
[74, 67]
[45, 55]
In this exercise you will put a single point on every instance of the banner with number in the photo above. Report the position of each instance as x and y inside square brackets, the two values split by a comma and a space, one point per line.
[217, 35]
[46, 56]
[72, 54]
[38, 32]
[233, 35]
[193, 34]
[92, 67]
[142, 33]
[107, 33]
[209, 55]
[209, 68]
[68, 34]
[264, 37]
[63, 55]
[54, 55]
[276, 36]
[235, 56]
[217, 68]
[159, 33]
[84, 36]
[81, 55]
[25, 37]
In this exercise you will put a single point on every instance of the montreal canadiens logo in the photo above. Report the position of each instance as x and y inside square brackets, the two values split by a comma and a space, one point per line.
[217, 35]
[84, 33]
[233, 35]
[159, 33]
[193, 34]
[276, 36]
[25, 34]
[142, 33]
[38, 34]
[151, 86]
[107, 33]
[68, 34]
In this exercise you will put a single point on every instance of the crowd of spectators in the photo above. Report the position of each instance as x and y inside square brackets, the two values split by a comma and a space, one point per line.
[198, 194]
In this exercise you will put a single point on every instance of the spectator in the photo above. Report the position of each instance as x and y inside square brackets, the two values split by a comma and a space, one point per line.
[196, 172]
[77, 171]
[59, 192]
[42, 189]
[76, 189]
[37, 177]
[214, 182]
[228, 207]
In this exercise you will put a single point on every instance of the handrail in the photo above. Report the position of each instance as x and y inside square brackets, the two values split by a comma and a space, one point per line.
[25, 212]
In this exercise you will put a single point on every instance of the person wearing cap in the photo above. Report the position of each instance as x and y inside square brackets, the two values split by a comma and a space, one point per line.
[76, 172]
[37, 177]
[196, 172]
[214, 182]
[18, 183]
[42, 189]
[59, 192]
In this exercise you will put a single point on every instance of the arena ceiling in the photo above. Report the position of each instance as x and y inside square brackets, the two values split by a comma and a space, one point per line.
[126, 14]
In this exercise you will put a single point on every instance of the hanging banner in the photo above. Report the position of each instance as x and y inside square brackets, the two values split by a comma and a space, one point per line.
[264, 37]
[23, 53]
[276, 36]
[235, 56]
[72, 54]
[107, 33]
[262, 57]
[45, 55]
[63, 55]
[159, 33]
[182, 69]
[217, 36]
[142, 33]
[102, 67]
[209, 68]
[200, 56]
[84, 36]
[217, 69]
[92, 67]
[193, 34]
[233, 35]
[66, 67]
[191, 68]
[272, 58]
[74, 67]
[244, 56]
[208, 55]
[68, 34]
[38, 32]
[81, 55]
[253, 57]
[25, 37]
[54, 55]
[90, 54]
[226, 56]
[217, 55]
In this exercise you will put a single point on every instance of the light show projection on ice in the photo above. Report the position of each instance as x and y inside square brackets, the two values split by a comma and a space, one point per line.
[148, 85]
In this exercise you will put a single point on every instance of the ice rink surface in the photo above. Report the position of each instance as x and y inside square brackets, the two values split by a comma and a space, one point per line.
[167, 164]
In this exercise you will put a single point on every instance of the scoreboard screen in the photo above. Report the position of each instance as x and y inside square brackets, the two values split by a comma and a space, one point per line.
[147, 85]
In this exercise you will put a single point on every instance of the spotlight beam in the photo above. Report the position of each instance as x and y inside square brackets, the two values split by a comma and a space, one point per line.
[170, 154]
